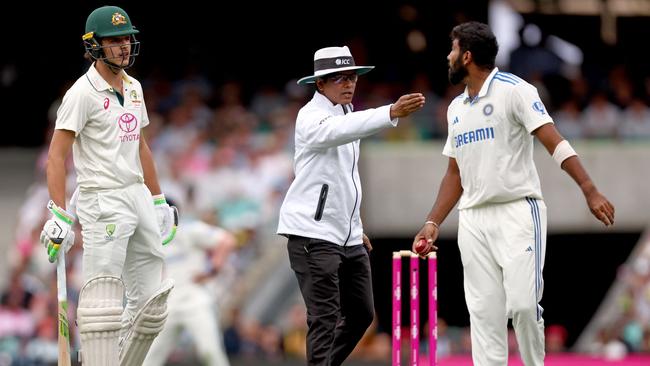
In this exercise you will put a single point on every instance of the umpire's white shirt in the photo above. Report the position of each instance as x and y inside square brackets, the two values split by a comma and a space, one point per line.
[324, 198]
[107, 134]
[490, 138]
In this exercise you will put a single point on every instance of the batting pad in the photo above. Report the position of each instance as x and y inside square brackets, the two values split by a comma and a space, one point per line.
[146, 325]
[99, 319]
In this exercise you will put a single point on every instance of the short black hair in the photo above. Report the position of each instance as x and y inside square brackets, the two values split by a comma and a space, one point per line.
[477, 38]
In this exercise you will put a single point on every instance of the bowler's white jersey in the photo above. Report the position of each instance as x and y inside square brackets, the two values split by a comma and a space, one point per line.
[490, 138]
[107, 134]
[186, 258]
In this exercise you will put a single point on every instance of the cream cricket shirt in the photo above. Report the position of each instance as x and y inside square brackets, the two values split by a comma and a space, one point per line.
[107, 134]
[490, 138]
[186, 259]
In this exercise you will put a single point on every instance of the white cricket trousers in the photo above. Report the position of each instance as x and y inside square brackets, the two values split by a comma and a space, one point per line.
[502, 248]
[121, 238]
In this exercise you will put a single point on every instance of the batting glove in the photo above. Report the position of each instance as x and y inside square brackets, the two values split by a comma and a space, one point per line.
[167, 218]
[57, 231]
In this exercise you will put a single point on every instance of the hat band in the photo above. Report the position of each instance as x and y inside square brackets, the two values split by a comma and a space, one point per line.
[333, 63]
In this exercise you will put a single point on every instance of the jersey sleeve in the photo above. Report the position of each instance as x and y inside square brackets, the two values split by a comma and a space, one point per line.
[449, 149]
[145, 115]
[317, 128]
[144, 118]
[528, 109]
[205, 236]
[72, 113]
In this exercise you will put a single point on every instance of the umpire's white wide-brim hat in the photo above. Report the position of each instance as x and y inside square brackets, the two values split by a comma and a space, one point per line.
[329, 60]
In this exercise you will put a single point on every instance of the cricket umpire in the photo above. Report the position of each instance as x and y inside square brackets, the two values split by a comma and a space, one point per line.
[320, 215]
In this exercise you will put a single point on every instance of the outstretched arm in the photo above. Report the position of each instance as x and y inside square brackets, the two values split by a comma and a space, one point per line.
[448, 195]
[600, 207]
[318, 128]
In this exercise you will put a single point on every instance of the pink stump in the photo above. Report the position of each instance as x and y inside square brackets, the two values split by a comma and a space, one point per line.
[433, 308]
[415, 309]
[397, 308]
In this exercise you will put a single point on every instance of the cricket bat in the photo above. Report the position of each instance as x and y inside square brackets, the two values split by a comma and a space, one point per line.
[62, 296]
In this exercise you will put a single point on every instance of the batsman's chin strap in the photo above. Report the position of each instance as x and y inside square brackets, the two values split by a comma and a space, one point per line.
[113, 67]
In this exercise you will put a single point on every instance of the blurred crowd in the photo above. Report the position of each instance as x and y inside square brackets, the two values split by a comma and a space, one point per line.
[224, 154]
[627, 329]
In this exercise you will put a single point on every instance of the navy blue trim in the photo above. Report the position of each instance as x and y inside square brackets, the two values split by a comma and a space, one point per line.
[534, 211]
[512, 76]
[504, 80]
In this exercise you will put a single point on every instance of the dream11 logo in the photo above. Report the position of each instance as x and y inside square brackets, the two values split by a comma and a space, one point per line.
[128, 123]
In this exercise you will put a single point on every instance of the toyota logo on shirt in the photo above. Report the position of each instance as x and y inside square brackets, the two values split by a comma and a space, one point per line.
[127, 122]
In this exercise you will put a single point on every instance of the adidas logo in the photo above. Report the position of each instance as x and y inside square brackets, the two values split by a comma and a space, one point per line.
[529, 249]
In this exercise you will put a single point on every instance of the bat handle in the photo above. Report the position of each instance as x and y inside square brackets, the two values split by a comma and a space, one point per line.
[61, 288]
[63, 327]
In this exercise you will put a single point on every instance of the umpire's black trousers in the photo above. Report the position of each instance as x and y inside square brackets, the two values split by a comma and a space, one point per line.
[336, 283]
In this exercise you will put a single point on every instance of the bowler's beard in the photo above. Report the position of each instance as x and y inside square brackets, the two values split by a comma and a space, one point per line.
[457, 72]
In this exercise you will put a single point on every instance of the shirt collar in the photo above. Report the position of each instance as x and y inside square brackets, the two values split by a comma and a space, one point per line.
[484, 88]
[98, 82]
[322, 100]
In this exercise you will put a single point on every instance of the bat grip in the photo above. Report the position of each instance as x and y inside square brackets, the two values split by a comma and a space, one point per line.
[61, 290]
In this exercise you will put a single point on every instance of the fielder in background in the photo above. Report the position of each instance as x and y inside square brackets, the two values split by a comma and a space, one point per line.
[200, 250]
[123, 225]
[502, 224]
[320, 215]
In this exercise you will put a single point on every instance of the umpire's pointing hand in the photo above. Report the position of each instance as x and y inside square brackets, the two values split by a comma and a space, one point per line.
[406, 104]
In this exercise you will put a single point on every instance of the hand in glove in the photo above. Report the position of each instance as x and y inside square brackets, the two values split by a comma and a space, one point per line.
[57, 231]
[167, 218]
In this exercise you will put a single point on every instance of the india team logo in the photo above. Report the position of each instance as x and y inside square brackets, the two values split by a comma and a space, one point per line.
[488, 109]
[128, 122]
[118, 19]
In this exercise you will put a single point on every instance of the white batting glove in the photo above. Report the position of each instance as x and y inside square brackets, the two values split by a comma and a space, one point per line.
[167, 218]
[57, 231]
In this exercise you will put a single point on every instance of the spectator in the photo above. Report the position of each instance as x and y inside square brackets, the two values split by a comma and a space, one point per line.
[601, 117]
[636, 121]
[556, 336]
[568, 120]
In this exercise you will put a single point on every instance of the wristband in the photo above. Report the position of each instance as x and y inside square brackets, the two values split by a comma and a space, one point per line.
[60, 213]
[563, 151]
[159, 199]
[432, 223]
